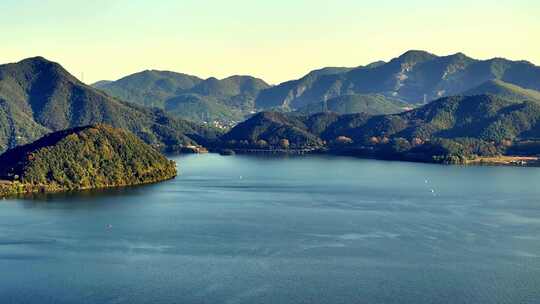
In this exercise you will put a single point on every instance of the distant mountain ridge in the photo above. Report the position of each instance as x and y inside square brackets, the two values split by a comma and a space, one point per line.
[188, 96]
[149, 87]
[414, 77]
[38, 96]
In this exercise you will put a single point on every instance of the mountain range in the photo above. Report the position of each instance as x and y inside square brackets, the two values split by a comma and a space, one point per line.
[493, 107]
[38, 96]
[450, 128]
[415, 77]
[187, 96]
[405, 82]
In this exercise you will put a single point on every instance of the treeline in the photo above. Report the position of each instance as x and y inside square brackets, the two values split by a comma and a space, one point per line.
[449, 130]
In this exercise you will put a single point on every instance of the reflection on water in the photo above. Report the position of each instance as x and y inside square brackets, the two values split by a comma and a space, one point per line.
[248, 229]
[80, 199]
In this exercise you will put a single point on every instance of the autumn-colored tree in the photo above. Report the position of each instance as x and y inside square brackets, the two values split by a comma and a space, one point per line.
[374, 140]
[261, 143]
[284, 143]
[506, 142]
[344, 140]
[417, 141]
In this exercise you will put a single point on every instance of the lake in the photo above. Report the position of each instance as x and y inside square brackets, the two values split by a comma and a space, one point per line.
[246, 229]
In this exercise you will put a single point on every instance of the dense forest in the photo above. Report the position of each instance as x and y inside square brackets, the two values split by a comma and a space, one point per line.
[189, 97]
[451, 129]
[88, 157]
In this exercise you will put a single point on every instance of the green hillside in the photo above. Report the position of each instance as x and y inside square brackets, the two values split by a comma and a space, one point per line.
[38, 96]
[82, 158]
[450, 129]
[504, 90]
[196, 107]
[189, 97]
[267, 129]
[150, 87]
[358, 103]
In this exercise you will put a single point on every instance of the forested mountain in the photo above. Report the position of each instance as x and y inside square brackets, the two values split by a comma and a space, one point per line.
[82, 158]
[38, 96]
[414, 77]
[457, 126]
[269, 128]
[357, 103]
[188, 96]
[150, 87]
[504, 90]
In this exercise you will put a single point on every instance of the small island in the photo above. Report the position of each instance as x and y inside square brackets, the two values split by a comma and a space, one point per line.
[90, 157]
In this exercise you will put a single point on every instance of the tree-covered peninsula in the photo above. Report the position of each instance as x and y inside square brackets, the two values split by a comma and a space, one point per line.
[97, 156]
[457, 129]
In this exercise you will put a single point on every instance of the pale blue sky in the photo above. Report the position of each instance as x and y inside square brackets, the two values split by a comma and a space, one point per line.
[275, 40]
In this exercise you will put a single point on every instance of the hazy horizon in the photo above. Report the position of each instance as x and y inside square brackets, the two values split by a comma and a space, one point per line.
[279, 41]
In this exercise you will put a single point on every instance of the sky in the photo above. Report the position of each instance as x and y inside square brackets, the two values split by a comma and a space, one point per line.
[275, 40]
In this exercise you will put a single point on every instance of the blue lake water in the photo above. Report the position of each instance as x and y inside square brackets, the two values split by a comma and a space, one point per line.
[292, 230]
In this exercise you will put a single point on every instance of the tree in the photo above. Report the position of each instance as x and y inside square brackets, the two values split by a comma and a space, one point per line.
[261, 143]
[400, 145]
[506, 143]
[284, 143]
[417, 141]
[343, 140]
[374, 140]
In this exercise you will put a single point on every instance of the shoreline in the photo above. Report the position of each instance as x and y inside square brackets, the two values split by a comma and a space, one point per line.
[502, 160]
[15, 189]
[506, 160]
